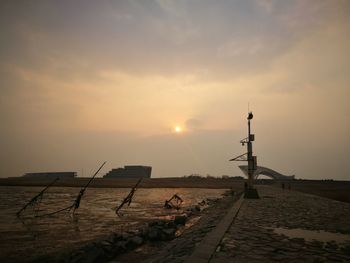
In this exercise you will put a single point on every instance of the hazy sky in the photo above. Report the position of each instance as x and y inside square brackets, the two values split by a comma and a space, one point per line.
[86, 81]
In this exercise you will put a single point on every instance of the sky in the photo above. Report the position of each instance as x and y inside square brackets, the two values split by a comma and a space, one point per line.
[82, 82]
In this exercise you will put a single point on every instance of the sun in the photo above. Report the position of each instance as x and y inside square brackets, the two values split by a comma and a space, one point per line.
[178, 129]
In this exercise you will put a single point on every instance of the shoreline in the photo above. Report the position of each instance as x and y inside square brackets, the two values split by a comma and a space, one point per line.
[141, 243]
[336, 190]
[210, 183]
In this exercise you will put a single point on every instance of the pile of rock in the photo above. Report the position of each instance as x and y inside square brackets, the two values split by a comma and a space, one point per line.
[116, 244]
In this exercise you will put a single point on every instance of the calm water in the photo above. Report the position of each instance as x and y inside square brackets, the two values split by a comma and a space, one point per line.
[95, 218]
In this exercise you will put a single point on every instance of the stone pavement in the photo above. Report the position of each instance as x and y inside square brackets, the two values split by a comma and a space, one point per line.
[263, 229]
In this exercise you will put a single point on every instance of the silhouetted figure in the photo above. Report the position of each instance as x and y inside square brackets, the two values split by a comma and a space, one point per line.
[282, 186]
[245, 186]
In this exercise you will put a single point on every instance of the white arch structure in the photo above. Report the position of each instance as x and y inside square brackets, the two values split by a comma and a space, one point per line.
[266, 171]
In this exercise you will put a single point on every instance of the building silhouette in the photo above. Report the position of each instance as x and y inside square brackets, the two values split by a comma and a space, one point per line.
[51, 175]
[130, 171]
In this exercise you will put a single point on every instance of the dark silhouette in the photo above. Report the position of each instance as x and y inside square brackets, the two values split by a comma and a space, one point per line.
[128, 198]
[76, 202]
[174, 202]
[250, 191]
[130, 171]
[51, 175]
[36, 199]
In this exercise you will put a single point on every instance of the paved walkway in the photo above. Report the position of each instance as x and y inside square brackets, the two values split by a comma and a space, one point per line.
[207, 247]
[272, 229]
[182, 248]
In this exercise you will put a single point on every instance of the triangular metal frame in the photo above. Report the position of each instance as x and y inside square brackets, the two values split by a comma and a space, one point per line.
[242, 157]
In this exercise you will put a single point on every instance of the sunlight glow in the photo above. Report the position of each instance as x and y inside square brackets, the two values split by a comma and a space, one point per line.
[178, 129]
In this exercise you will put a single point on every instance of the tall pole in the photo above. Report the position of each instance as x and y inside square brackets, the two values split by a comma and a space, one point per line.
[250, 192]
[250, 157]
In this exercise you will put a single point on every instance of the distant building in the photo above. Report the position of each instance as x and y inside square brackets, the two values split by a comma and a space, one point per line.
[130, 171]
[51, 175]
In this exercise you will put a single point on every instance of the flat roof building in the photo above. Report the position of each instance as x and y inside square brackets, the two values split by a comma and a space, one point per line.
[130, 171]
[51, 175]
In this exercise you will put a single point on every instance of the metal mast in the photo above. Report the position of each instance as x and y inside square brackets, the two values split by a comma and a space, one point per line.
[252, 161]
[251, 158]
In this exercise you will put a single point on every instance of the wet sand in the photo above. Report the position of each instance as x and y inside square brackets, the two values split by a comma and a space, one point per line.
[27, 237]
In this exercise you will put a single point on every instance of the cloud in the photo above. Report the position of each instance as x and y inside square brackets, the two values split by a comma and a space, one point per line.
[238, 48]
[138, 68]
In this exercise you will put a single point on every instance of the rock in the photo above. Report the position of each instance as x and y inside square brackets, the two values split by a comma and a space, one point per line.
[168, 234]
[157, 223]
[94, 255]
[171, 224]
[106, 246]
[331, 245]
[88, 247]
[343, 229]
[197, 208]
[346, 249]
[201, 203]
[76, 257]
[125, 236]
[120, 246]
[319, 259]
[116, 237]
[194, 209]
[180, 220]
[111, 238]
[189, 212]
[105, 243]
[212, 200]
[144, 232]
[153, 234]
[136, 241]
[153, 223]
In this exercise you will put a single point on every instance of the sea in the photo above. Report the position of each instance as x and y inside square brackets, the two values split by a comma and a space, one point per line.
[31, 235]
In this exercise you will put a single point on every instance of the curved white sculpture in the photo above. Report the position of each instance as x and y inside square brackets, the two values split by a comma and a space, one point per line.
[266, 171]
